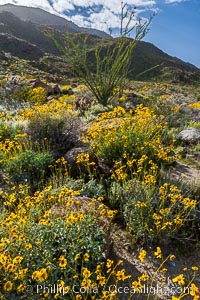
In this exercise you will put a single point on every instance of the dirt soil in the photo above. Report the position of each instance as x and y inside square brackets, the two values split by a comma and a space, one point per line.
[162, 285]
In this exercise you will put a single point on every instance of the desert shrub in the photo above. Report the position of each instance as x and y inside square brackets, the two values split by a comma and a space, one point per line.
[58, 252]
[23, 93]
[151, 213]
[164, 105]
[127, 136]
[62, 130]
[66, 251]
[92, 189]
[17, 93]
[7, 131]
[36, 95]
[60, 246]
[28, 167]
[92, 113]
[193, 124]
[9, 147]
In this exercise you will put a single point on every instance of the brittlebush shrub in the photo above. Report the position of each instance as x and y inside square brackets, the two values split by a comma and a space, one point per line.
[126, 136]
[45, 254]
[7, 131]
[61, 130]
[36, 95]
[41, 245]
[153, 213]
[28, 167]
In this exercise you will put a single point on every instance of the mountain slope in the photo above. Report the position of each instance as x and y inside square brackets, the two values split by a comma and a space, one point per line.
[42, 17]
[149, 62]
[13, 26]
[43, 45]
[19, 47]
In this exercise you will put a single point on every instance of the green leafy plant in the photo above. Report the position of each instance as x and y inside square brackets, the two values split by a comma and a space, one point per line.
[151, 213]
[123, 136]
[7, 131]
[28, 166]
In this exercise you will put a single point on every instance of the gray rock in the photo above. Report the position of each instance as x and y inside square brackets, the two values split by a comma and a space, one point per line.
[54, 90]
[79, 169]
[189, 135]
[38, 83]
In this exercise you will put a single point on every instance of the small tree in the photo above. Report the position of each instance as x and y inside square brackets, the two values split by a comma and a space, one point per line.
[111, 61]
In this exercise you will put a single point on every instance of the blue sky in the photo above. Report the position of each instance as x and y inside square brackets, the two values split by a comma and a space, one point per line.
[174, 29]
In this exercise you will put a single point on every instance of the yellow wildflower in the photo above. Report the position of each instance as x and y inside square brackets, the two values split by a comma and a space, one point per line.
[62, 262]
[86, 257]
[142, 255]
[158, 253]
[194, 291]
[179, 279]
[8, 286]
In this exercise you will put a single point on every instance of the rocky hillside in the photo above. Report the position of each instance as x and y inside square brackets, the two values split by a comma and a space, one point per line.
[40, 38]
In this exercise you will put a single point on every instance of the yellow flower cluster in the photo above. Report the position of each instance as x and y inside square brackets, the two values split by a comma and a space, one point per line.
[42, 208]
[123, 135]
[173, 215]
[40, 275]
[53, 107]
[195, 105]
[36, 95]
[9, 147]
[142, 255]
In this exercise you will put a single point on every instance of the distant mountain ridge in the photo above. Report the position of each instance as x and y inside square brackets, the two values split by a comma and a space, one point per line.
[42, 17]
[41, 37]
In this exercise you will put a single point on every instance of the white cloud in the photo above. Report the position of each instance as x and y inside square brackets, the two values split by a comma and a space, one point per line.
[61, 5]
[106, 19]
[106, 16]
[44, 4]
[101, 14]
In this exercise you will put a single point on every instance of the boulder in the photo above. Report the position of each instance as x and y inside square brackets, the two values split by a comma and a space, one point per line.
[79, 169]
[54, 90]
[82, 168]
[189, 135]
[38, 83]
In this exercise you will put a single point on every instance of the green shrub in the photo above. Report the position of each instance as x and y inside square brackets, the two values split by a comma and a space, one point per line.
[46, 247]
[151, 213]
[62, 130]
[28, 167]
[7, 131]
[126, 136]
[92, 189]
[194, 124]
